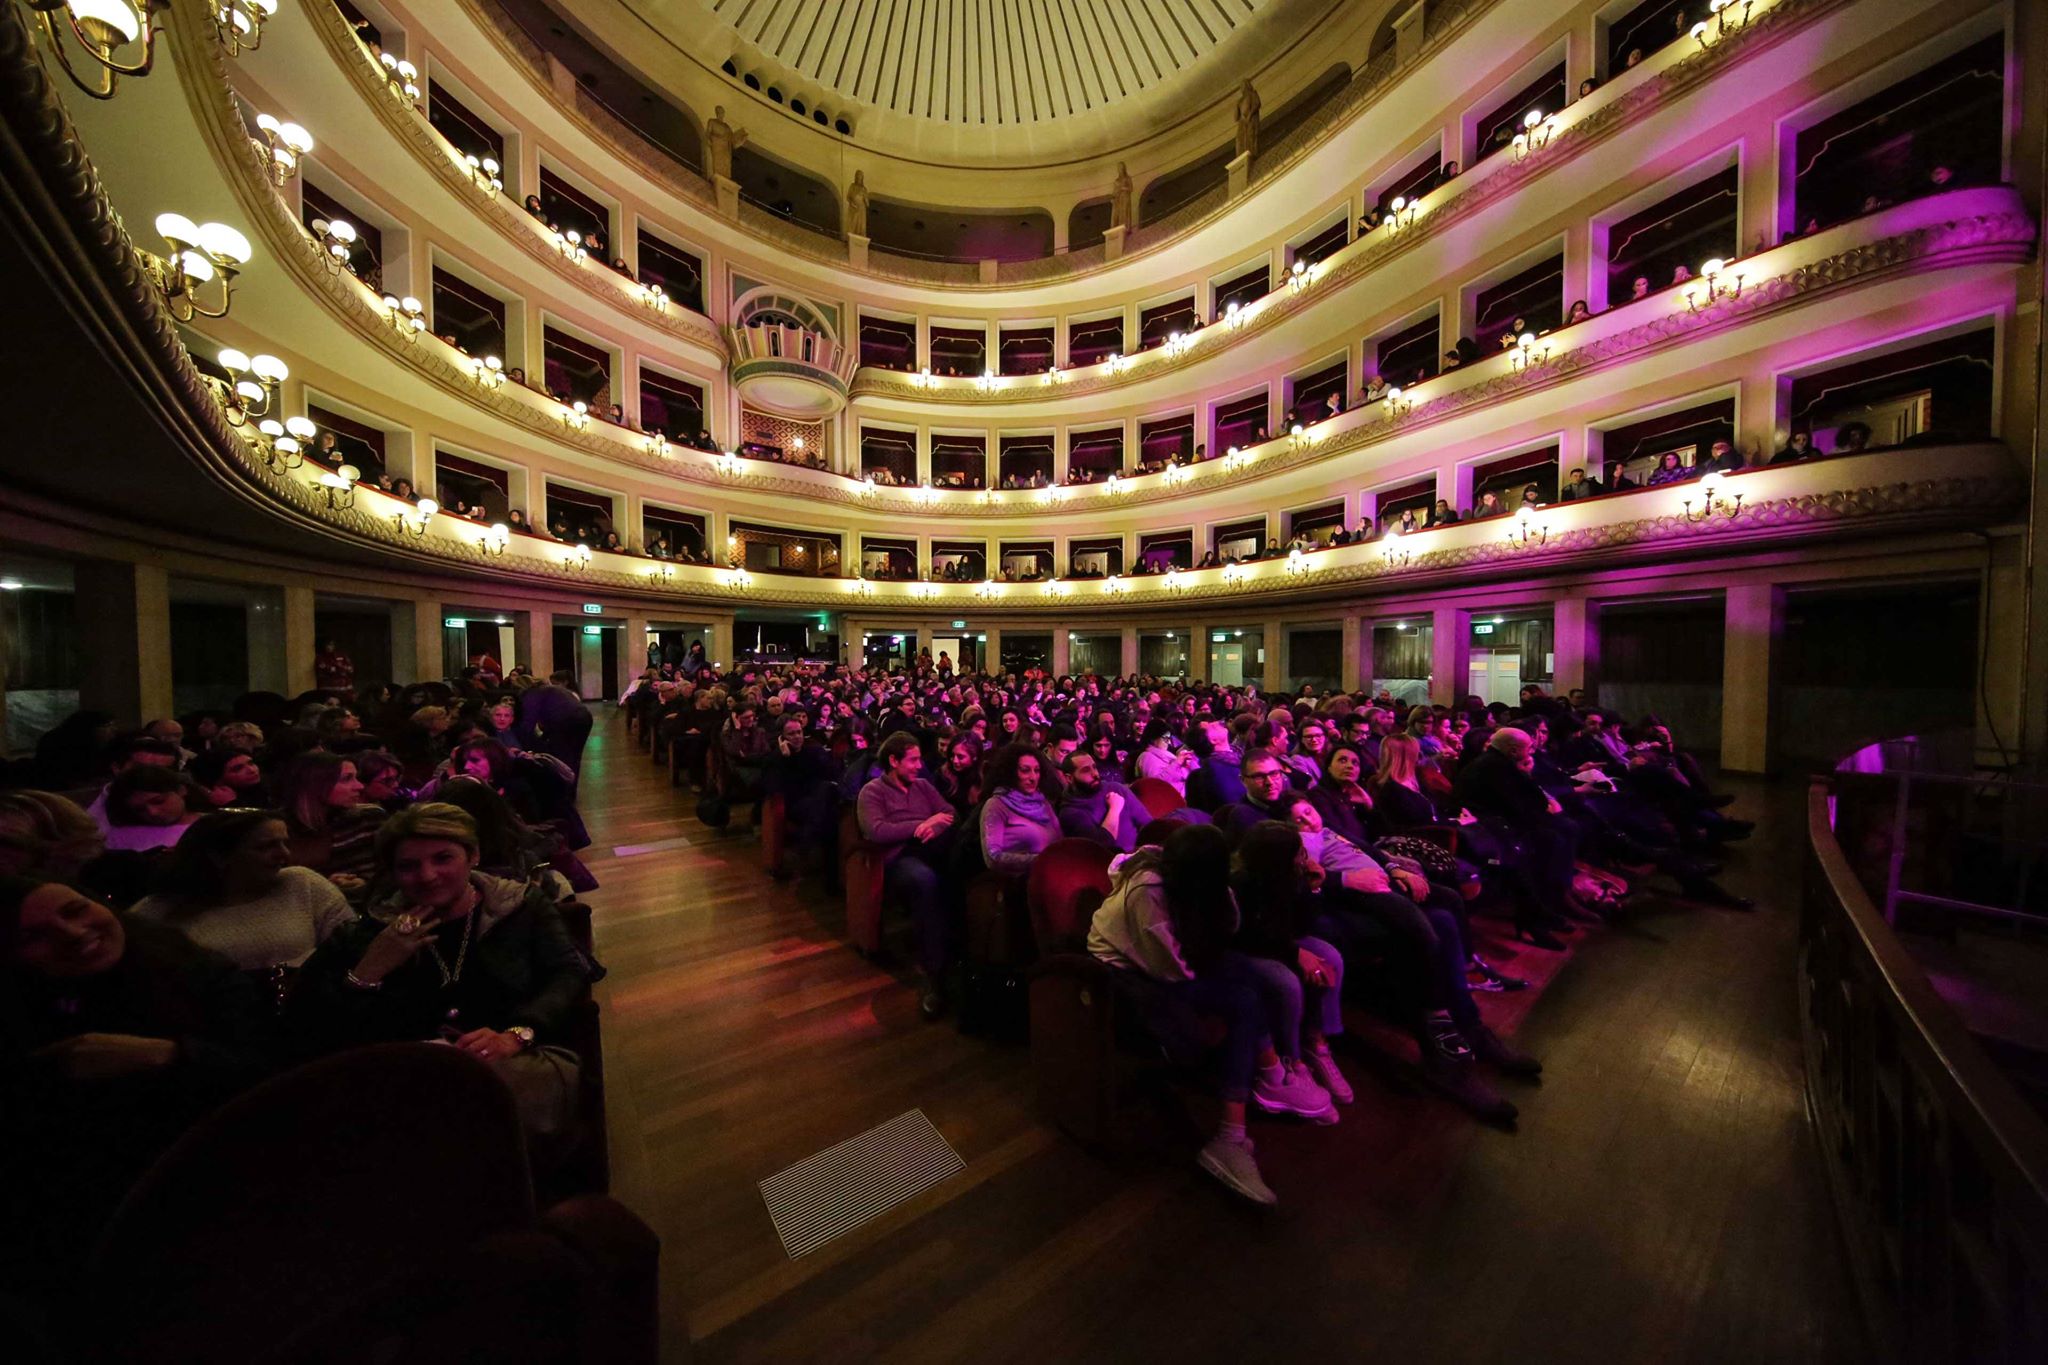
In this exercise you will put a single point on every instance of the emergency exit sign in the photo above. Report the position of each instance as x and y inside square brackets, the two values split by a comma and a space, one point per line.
[593, 609]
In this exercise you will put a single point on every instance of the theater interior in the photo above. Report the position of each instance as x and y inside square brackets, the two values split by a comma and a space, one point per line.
[977, 680]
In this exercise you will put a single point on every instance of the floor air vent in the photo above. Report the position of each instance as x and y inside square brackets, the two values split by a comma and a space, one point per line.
[853, 1181]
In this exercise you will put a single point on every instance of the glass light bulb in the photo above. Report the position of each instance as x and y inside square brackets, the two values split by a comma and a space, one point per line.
[223, 243]
[1699, 30]
[1398, 202]
[269, 7]
[409, 304]
[427, 508]
[1713, 267]
[270, 368]
[492, 362]
[349, 473]
[177, 229]
[301, 427]
[1532, 118]
[407, 71]
[197, 268]
[271, 427]
[267, 123]
[341, 230]
[499, 530]
[295, 137]
[285, 445]
[116, 17]
[250, 390]
[233, 361]
[1393, 391]
[490, 166]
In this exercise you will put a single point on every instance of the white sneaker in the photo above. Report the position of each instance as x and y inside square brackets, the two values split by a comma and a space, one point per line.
[1232, 1163]
[1289, 1089]
[1326, 1073]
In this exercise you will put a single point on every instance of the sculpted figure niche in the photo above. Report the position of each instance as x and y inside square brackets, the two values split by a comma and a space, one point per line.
[1120, 198]
[857, 206]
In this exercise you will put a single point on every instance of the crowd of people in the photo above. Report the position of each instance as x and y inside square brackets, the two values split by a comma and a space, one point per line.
[190, 907]
[1275, 839]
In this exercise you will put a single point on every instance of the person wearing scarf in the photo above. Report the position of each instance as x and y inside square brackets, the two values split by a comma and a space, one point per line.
[1017, 821]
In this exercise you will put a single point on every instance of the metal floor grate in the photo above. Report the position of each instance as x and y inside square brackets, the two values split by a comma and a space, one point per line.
[853, 1181]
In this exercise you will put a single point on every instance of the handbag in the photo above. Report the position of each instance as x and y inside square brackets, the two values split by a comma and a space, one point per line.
[714, 810]
[1437, 864]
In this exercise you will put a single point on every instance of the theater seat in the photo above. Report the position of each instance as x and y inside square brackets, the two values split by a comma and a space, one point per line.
[1074, 1061]
[374, 1205]
[861, 865]
[774, 816]
[1159, 796]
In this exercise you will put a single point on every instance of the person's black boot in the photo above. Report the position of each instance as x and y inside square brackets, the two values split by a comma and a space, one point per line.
[1491, 1048]
[1447, 1067]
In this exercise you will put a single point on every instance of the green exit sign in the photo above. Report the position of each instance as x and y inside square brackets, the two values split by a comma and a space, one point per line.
[455, 621]
[1485, 629]
[593, 630]
[593, 609]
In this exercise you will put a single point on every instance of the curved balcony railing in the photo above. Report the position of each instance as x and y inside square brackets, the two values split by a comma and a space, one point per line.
[1938, 1165]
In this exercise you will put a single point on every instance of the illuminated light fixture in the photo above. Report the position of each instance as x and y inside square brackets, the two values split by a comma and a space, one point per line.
[340, 487]
[662, 573]
[925, 495]
[490, 372]
[988, 590]
[570, 244]
[239, 23]
[924, 591]
[1114, 586]
[657, 444]
[483, 170]
[1297, 562]
[796, 442]
[494, 541]
[1055, 375]
[579, 558]
[1116, 362]
[1712, 501]
[1396, 403]
[1396, 557]
[286, 143]
[1300, 277]
[988, 497]
[1054, 588]
[1175, 583]
[923, 378]
[284, 442]
[201, 253]
[104, 28]
[576, 417]
[403, 78]
[1233, 573]
[654, 296]
[1535, 135]
[1525, 355]
[727, 464]
[1234, 314]
[1301, 436]
[739, 580]
[986, 381]
[1527, 533]
[864, 587]
[1236, 458]
[253, 383]
[413, 520]
[1728, 15]
[1113, 485]
[867, 486]
[1715, 283]
[337, 238]
[1177, 474]
[1401, 211]
[407, 316]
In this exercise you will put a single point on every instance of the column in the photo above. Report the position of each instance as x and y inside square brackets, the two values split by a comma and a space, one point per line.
[1408, 34]
[300, 645]
[1060, 650]
[1758, 191]
[540, 642]
[1755, 615]
[1198, 653]
[269, 658]
[1450, 655]
[1575, 625]
[1129, 663]
[124, 640]
[924, 639]
[1354, 661]
[721, 641]
[992, 649]
[632, 649]
[1578, 255]
[1274, 637]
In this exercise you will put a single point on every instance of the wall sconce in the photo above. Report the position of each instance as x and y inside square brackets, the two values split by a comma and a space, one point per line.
[924, 495]
[739, 580]
[654, 296]
[1526, 356]
[570, 244]
[1535, 134]
[988, 590]
[286, 143]
[1113, 485]
[1726, 14]
[662, 573]
[1297, 562]
[413, 520]
[1300, 276]
[102, 28]
[1055, 375]
[579, 558]
[1175, 583]
[1401, 211]
[866, 487]
[1116, 364]
[863, 587]
[490, 372]
[923, 378]
[1527, 533]
[1396, 403]
[657, 444]
[407, 316]
[1055, 589]
[340, 487]
[484, 171]
[1114, 586]
[1300, 436]
[337, 238]
[253, 384]
[986, 381]
[1395, 556]
[924, 591]
[403, 78]
[200, 253]
[1712, 501]
[282, 445]
[1234, 314]
[239, 23]
[1716, 282]
[727, 464]
[576, 417]
[1233, 574]
[494, 541]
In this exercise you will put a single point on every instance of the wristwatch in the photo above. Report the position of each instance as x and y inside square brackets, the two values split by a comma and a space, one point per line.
[523, 1034]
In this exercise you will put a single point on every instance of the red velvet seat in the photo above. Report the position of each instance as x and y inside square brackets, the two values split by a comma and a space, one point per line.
[374, 1205]
[1067, 881]
[1159, 796]
[1074, 1063]
[774, 833]
[861, 865]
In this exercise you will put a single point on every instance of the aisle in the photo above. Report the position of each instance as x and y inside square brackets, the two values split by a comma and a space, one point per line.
[1658, 1202]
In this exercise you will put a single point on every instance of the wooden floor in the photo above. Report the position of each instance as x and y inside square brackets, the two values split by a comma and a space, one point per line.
[1660, 1201]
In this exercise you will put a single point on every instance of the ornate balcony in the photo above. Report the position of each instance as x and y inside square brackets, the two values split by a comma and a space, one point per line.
[790, 371]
